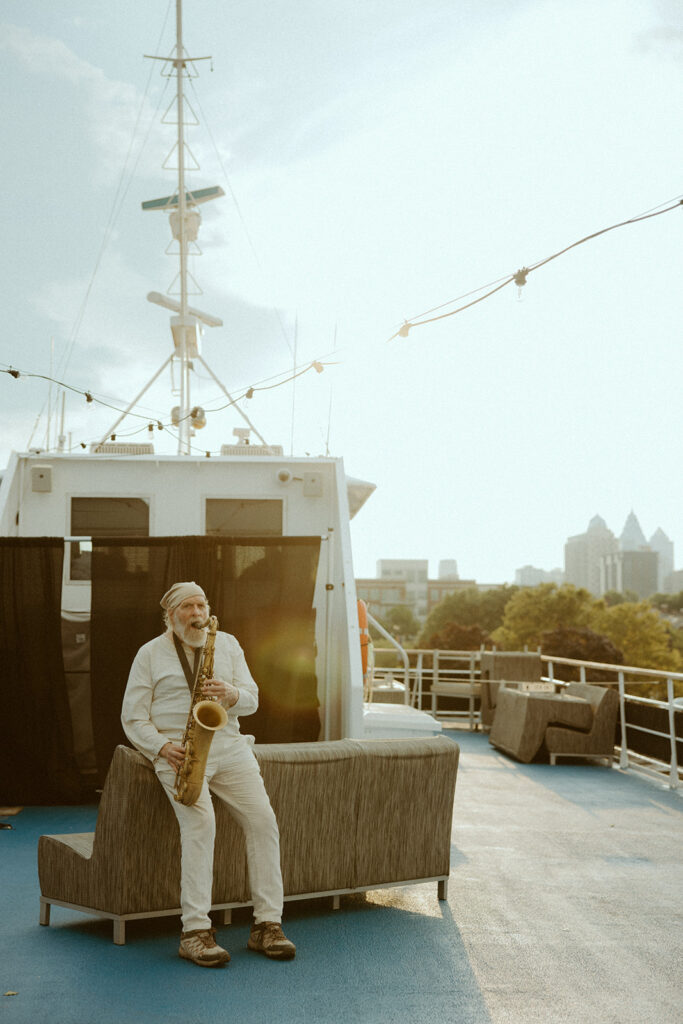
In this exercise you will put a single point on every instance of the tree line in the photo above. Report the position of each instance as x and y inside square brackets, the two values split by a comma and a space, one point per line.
[566, 621]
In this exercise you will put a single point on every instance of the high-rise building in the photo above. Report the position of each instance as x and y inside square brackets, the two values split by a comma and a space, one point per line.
[405, 582]
[629, 570]
[673, 583]
[632, 537]
[448, 569]
[634, 566]
[664, 547]
[413, 572]
[582, 554]
[530, 576]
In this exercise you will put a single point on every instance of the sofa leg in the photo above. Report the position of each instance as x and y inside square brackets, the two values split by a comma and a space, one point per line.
[119, 932]
[336, 902]
[443, 889]
[44, 912]
[225, 916]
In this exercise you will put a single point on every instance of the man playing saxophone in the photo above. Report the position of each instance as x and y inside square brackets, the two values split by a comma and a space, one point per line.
[154, 716]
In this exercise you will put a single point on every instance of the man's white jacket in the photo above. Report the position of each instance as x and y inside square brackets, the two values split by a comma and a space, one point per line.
[157, 698]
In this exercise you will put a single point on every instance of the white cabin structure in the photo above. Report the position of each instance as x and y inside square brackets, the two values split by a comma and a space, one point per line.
[249, 491]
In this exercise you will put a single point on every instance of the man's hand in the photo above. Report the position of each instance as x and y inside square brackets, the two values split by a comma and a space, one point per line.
[226, 693]
[174, 754]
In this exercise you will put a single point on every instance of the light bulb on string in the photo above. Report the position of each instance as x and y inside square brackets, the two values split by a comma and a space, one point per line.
[520, 280]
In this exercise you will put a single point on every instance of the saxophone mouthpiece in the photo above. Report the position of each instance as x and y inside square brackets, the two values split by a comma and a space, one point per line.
[198, 624]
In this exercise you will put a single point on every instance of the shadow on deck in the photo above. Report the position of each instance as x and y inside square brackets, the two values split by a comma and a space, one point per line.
[563, 908]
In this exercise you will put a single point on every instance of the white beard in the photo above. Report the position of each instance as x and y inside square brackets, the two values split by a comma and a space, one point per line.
[190, 635]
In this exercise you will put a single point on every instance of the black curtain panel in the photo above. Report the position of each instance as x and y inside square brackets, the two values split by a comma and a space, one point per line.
[261, 589]
[37, 763]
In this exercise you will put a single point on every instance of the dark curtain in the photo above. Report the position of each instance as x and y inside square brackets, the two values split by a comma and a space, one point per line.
[37, 764]
[261, 589]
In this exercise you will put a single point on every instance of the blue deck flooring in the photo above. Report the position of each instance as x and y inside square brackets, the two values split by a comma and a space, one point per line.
[565, 907]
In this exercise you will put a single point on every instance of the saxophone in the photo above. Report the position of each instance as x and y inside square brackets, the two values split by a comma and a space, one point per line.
[205, 718]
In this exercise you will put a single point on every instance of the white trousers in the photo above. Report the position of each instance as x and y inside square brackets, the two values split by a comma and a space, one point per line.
[234, 776]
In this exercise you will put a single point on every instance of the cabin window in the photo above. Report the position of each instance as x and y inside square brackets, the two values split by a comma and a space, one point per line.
[103, 517]
[243, 517]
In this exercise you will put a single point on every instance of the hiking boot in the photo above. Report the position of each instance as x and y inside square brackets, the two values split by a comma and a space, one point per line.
[268, 938]
[200, 947]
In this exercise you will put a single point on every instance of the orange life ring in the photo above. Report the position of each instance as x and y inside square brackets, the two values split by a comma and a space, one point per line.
[364, 634]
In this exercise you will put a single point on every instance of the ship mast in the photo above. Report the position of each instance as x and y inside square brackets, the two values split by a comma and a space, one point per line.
[185, 327]
[184, 217]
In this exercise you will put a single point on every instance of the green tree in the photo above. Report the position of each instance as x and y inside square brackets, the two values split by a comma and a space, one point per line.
[533, 611]
[667, 602]
[676, 639]
[454, 637]
[640, 633]
[583, 644]
[468, 607]
[400, 621]
[617, 597]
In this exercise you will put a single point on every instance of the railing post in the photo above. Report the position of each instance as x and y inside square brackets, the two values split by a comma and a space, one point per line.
[623, 756]
[417, 695]
[673, 771]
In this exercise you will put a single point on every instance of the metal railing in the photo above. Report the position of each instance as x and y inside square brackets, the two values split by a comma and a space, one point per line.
[403, 655]
[628, 756]
[418, 678]
[450, 674]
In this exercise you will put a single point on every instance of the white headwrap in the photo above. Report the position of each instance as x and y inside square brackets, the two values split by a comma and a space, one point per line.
[178, 593]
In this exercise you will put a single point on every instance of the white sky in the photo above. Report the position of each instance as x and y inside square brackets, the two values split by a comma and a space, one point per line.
[386, 157]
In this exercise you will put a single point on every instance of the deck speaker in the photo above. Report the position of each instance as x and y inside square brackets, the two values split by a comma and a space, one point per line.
[41, 478]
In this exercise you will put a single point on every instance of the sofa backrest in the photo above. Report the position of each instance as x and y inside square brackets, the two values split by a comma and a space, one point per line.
[605, 703]
[594, 694]
[350, 813]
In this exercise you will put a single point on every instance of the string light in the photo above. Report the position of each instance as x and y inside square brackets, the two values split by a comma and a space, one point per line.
[316, 365]
[520, 277]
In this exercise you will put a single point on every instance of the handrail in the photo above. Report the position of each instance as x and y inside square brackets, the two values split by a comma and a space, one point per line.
[608, 666]
[392, 640]
[653, 675]
[440, 670]
[626, 757]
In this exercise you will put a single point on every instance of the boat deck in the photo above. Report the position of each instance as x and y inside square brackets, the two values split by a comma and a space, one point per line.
[564, 907]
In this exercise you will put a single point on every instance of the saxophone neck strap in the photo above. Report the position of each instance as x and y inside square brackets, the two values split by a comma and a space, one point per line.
[190, 673]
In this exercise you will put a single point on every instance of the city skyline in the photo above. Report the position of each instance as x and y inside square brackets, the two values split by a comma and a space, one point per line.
[447, 566]
[377, 161]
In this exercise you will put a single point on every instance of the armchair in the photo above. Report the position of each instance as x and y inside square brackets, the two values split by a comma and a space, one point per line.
[598, 743]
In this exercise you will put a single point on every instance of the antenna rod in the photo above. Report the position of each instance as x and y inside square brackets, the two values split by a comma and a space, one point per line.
[184, 424]
[296, 338]
[61, 439]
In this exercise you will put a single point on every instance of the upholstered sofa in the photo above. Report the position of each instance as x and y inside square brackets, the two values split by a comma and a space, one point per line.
[353, 815]
[596, 743]
[498, 668]
[578, 722]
